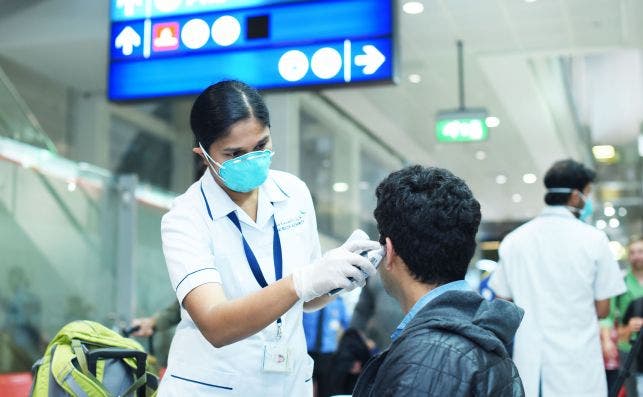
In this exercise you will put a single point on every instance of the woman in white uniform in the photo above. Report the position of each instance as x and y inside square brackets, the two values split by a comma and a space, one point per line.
[243, 254]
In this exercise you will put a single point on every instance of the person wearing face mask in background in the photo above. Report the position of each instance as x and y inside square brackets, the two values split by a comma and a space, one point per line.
[243, 255]
[561, 271]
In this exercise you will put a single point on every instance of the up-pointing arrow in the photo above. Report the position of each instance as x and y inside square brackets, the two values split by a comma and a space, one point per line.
[127, 39]
[372, 59]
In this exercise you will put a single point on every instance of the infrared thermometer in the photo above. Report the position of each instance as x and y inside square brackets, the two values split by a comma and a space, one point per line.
[373, 256]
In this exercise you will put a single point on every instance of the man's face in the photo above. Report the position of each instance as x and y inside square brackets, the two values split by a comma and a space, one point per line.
[635, 255]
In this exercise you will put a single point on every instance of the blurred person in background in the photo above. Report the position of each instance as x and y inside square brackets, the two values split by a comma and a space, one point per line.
[451, 341]
[627, 325]
[21, 338]
[323, 328]
[561, 271]
[243, 254]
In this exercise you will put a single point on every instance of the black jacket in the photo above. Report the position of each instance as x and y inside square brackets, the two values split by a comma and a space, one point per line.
[454, 346]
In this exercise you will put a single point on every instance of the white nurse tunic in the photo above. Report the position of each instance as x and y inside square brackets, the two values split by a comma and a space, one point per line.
[202, 246]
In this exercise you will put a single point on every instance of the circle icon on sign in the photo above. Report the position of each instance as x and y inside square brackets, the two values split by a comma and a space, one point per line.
[293, 65]
[167, 5]
[195, 34]
[326, 63]
[226, 30]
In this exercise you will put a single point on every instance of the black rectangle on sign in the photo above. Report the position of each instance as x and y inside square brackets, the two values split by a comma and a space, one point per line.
[258, 27]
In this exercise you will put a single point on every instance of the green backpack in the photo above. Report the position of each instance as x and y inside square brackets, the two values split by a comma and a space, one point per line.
[86, 359]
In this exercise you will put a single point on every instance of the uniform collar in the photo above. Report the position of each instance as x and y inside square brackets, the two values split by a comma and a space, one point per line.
[221, 204]
[557, 210]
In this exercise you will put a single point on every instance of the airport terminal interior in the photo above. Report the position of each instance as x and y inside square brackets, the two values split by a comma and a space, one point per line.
[95, 138]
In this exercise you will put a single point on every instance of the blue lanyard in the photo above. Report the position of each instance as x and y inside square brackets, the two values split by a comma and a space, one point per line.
[250, 256]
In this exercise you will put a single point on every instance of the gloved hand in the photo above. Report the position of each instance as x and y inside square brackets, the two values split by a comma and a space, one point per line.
[334, 269]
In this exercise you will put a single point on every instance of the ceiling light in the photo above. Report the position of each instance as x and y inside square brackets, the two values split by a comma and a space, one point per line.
[415, 78]
[71, 186]
[501, 179]
[481, 155]
[641, 145]
[492, 121]
[529, 178]
[609, 211]
[622, 211]
[601, 224]
[516, 198]
[413, 7]
[530, 1]
[340, 187]
[614, 223]
[604, 153]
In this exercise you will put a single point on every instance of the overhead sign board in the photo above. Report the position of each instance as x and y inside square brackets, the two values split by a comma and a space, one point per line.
[461, 125]
[178, 47]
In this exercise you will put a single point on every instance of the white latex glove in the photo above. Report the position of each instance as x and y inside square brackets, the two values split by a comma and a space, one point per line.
[334, 269]
[359, 242]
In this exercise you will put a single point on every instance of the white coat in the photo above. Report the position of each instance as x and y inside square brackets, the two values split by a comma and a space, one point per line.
[555, 267]
[201, 250]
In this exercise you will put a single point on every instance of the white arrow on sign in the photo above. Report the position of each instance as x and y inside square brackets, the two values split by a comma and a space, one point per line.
[129, 6]
[127, 39]
[372, 59]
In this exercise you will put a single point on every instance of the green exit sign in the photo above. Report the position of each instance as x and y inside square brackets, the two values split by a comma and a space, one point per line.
[461, 126]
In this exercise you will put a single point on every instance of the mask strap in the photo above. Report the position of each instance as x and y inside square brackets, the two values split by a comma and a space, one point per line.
[207, 156]
[560, 190]
[210, 160]
[574, 210]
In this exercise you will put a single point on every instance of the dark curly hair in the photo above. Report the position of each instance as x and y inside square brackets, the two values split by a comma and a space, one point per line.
[432, 219]
[566, 173]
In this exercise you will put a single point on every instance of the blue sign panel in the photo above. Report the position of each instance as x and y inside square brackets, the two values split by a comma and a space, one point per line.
[178, 47]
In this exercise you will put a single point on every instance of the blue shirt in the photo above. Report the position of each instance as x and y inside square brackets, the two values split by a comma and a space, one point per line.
[459, 285]
[335, 319]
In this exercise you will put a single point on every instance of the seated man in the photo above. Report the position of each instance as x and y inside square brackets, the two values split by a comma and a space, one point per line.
[451, 342]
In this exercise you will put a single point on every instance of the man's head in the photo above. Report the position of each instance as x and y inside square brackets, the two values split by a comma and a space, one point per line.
[568, 182]
[428, 220]
[635, 254]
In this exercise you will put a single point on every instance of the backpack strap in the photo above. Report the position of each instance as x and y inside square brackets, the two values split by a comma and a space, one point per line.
[79, 351]
[140, 382]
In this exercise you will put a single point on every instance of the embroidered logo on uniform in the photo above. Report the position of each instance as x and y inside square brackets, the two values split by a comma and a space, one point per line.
[292, 222]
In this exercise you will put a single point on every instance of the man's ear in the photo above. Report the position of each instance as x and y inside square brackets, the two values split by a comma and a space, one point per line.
[391, 255]
[575, 199]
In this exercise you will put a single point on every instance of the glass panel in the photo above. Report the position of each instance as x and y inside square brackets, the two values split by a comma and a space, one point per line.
[317, 145]
[58, 238]
[16, 120]
[372, 171]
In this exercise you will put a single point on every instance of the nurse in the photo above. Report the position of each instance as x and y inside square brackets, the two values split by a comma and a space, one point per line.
[243, 255]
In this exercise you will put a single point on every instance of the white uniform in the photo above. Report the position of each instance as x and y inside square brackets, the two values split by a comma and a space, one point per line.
[201, 250]
[555, 267]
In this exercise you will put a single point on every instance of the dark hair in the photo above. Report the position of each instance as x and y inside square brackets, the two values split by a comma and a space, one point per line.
[432, 219]
[567, 174]
[221, 105]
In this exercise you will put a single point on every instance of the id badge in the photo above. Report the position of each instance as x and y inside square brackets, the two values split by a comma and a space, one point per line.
[276, 358]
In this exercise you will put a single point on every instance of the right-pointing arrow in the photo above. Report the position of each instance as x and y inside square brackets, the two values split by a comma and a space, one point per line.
[127, 39]
[372, 59]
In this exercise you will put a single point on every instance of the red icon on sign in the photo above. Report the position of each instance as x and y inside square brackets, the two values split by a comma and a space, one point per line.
[165, 36]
